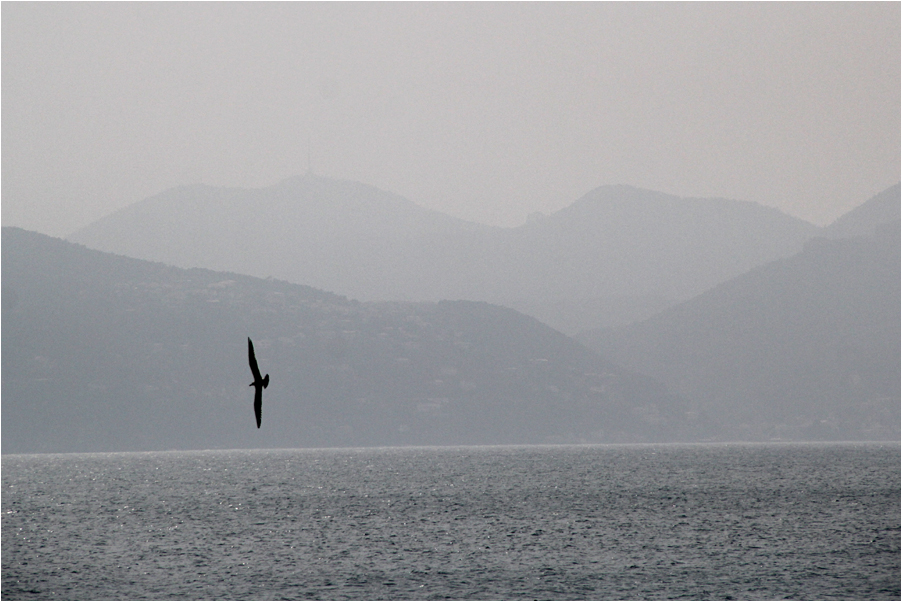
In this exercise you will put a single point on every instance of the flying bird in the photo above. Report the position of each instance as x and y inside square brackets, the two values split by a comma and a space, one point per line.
[259, 383]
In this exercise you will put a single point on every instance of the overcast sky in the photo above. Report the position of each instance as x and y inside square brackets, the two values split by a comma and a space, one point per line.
[484, 111]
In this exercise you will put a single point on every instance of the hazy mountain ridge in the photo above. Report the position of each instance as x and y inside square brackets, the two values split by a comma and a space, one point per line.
[615, 242]
[342, 236]
[680, 246]
[802, 347]
[798, 348]
[884, 207]
[103, 353]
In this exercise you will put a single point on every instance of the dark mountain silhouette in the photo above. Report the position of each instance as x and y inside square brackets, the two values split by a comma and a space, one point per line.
[615, 243]
[803, 347]
[107, 353]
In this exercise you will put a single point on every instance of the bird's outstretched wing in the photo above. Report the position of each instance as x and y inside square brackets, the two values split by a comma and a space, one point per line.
[258, 403]
[253, 361]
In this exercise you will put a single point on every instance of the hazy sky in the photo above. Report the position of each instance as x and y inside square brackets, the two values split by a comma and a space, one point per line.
[485, 111]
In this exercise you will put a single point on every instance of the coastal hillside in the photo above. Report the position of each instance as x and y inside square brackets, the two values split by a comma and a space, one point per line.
[107, 353]
[806, 347]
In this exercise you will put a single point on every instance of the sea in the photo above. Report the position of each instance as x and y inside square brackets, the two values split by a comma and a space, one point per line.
[628, 522]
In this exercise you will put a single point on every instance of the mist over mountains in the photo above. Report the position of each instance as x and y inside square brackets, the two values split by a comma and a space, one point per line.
[108, 353]
[806, 347]
[877, 212]
[614, 256]
[103, 352]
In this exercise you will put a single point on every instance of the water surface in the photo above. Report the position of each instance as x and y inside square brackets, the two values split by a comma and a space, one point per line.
[570, 522]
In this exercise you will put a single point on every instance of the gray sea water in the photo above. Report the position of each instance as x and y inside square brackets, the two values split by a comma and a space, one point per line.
[596, 522]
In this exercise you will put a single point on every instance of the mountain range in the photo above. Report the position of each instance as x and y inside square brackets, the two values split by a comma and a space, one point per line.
[103, 352]
[616, 255]
[108, 353]
[806, 347]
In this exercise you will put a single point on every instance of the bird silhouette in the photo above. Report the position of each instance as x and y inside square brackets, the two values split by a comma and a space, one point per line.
[259, 383]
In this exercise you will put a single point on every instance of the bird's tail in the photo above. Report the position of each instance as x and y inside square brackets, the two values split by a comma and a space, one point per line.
[266, 381]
